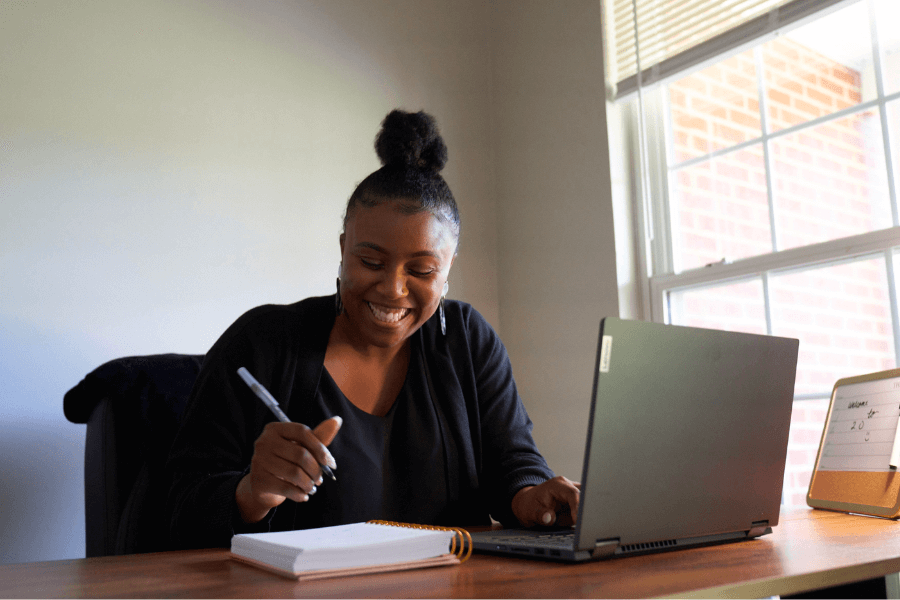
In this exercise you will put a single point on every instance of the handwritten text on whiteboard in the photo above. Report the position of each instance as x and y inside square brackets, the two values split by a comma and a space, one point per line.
[863, 426]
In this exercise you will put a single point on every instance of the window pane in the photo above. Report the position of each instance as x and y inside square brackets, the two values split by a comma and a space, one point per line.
[720, 209]
[830, 181]
[733, 307]
[841, 315]
[819, 68]
[807, 424]
[888, 15]
[715, 108]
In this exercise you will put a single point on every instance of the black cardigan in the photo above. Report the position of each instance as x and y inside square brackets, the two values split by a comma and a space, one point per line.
[284, 347]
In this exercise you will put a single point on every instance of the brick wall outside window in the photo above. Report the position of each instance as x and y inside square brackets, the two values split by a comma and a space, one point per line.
[828, 182]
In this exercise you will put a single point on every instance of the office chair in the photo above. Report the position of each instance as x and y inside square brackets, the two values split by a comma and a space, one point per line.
[132, 407]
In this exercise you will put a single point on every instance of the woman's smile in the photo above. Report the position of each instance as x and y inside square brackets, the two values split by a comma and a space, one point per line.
[386, 314]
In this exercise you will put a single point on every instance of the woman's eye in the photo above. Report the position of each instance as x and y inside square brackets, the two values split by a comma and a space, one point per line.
[370, 264]
[417, 273]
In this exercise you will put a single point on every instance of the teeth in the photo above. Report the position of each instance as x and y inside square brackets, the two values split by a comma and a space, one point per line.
[388, 315]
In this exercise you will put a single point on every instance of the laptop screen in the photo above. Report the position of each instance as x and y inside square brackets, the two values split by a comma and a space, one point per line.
[688, 432]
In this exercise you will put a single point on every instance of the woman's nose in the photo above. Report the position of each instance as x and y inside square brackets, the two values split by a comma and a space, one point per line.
[394, 283]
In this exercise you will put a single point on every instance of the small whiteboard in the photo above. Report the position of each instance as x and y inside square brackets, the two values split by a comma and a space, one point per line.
[858, 465]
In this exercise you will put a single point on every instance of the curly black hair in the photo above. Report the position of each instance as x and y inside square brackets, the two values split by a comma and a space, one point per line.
[412, 153]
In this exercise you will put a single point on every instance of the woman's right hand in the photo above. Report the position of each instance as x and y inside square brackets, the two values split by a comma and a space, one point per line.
[285, 464]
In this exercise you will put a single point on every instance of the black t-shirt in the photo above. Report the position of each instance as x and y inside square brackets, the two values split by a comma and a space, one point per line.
[390, 467]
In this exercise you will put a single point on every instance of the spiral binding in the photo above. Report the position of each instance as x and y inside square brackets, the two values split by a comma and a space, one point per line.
[465, 539]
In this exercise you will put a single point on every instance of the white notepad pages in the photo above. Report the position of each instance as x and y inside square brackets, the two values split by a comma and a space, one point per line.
[341, 546]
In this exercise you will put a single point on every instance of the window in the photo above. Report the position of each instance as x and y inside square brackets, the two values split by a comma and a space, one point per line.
[769, 178]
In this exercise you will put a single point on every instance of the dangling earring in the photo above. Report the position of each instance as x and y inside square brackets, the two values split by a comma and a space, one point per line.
[441, 309]
[338, 304]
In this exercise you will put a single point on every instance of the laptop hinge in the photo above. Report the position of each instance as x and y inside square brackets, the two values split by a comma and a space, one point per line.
[758, 528]
[604, 548]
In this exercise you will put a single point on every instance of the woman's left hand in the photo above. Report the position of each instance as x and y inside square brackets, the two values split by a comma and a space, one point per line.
[554, 502]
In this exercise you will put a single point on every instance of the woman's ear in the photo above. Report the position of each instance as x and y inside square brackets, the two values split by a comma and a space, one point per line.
[342, 238]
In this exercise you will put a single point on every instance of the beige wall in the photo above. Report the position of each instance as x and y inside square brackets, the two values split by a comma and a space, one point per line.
[557, 267]
[169, 164]
[165, 165]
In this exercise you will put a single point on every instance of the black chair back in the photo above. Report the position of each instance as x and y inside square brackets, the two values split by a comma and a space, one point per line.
[132, 407]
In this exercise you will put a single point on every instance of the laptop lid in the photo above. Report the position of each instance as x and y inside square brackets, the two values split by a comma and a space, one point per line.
[687, 436]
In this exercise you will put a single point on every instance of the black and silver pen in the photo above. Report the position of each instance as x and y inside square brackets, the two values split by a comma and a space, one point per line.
[263, 394]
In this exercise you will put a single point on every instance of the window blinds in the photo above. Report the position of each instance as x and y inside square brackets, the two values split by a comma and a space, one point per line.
[676, 35]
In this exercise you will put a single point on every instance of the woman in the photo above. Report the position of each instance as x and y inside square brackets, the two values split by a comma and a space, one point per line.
[412, 395]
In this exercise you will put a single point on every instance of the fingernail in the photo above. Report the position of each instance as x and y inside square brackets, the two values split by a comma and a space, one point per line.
[319, 481]
[548, 518]
[339, 420]
[329, 460]
[312, 491]
[304, 498]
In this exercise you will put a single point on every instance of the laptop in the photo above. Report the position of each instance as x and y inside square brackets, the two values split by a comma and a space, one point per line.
[686, 444]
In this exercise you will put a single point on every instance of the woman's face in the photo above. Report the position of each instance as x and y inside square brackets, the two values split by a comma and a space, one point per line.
[393, 270]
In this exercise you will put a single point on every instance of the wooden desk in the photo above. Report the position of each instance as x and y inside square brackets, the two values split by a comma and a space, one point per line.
[808, 550]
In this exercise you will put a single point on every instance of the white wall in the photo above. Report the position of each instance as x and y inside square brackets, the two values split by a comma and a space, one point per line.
[557, 268]
[166, 165]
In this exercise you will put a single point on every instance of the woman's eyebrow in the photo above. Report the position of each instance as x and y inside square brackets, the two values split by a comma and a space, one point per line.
[371, 246]
[377, 248]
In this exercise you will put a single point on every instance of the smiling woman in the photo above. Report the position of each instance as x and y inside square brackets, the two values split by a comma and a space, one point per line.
[411, 395]
[393, 277]
[400, 236]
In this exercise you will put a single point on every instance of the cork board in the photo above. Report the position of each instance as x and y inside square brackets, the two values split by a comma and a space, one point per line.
[857, 468]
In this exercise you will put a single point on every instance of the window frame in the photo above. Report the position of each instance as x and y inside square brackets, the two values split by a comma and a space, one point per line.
[655, 248]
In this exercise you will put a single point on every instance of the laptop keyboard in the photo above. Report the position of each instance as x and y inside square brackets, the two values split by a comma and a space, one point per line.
[557, 539]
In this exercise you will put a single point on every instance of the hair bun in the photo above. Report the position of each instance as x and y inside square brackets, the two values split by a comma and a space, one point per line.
[411, 140]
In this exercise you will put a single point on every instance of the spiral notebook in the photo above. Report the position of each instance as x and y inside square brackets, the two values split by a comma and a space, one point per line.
[355, 549]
